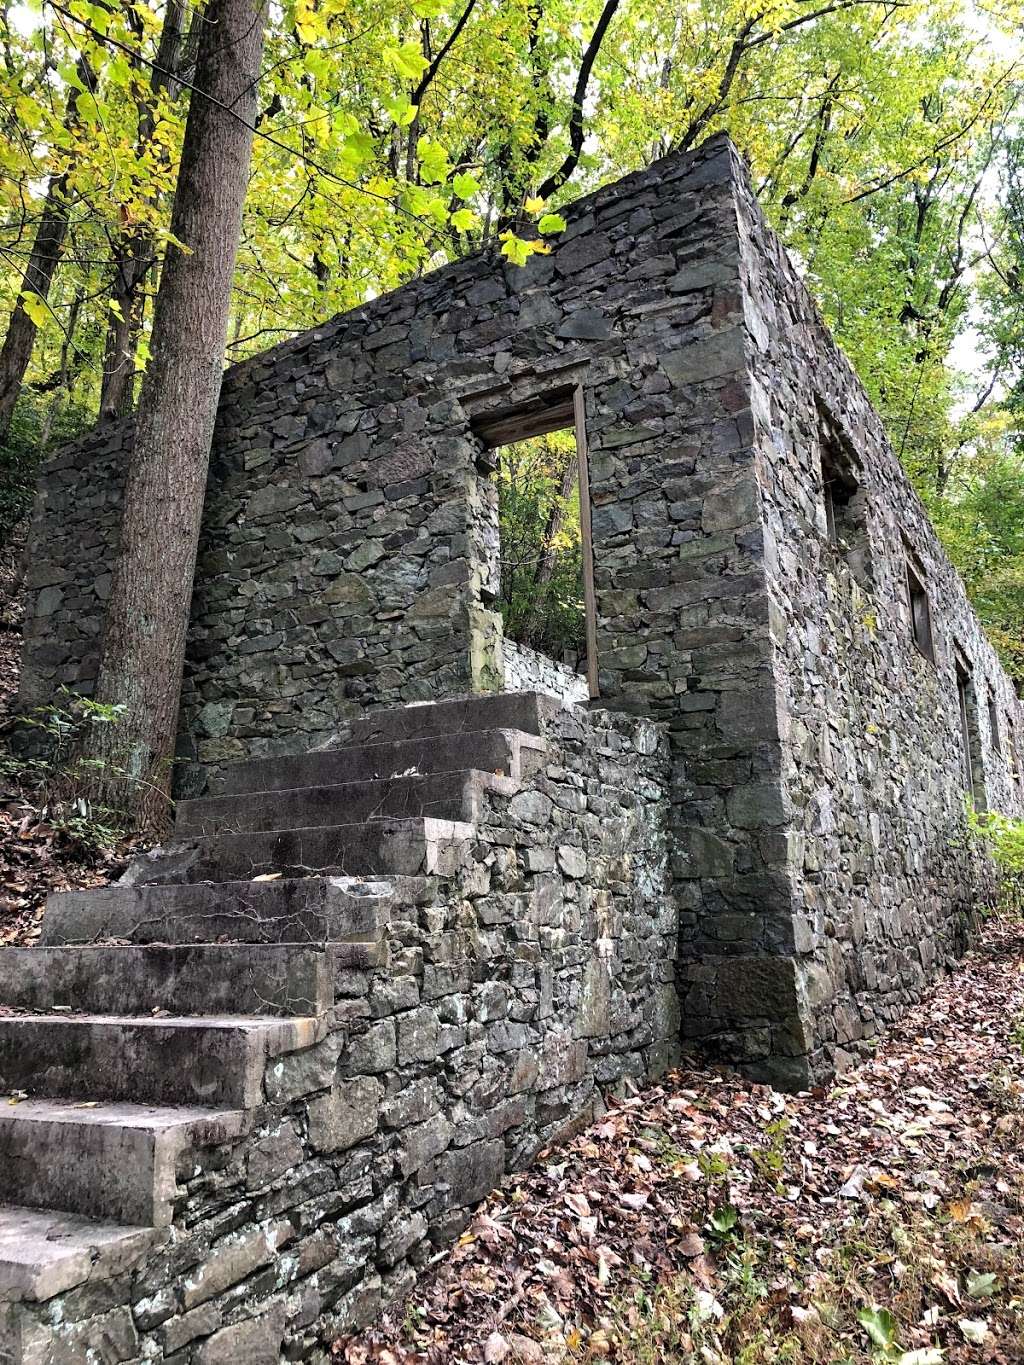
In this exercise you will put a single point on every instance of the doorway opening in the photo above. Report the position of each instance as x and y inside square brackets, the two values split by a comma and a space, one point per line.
[545, 590]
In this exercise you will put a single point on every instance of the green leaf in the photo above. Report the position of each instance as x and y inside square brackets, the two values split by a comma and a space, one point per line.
[551, 222]
[925, 1355]
[514, 248]
[982, 1286]
[402, 110]
[463, 219]
[433, 161]
[427, 9]
[879, 1324]
[35, 308]
[407, 61]
[724, 1218]
[465, 185]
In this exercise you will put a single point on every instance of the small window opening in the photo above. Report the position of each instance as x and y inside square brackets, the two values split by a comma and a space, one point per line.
[845, 504]
[970, 734]
[544, 587]
[993, 723]
[920, 610]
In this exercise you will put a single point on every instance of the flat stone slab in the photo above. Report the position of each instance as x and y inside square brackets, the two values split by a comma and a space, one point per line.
[443, 796]
[194, 1060]
[108, 1161]
[313, 910]
[206, 978]
[422, 847]
[43, 1253]
[459, 715]
[491, 750]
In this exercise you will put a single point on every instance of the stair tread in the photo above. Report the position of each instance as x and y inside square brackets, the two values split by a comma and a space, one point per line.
[44, 1252]
[340, 788]
[431, 755]
[376, 823]
[153, 1118]
[234, 1023]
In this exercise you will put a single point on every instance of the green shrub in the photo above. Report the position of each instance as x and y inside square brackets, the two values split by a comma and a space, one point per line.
[1003, 836]
[541, 555]
[25, 449]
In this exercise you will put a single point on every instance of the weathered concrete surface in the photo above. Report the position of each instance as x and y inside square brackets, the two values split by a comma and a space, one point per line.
[107, 1161]
[286, 910]
[498, 751]
[216, 1061]
[453, 796]
[203, 978]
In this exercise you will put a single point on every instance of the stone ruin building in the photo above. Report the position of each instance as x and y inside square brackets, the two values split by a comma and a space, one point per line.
[490, 898]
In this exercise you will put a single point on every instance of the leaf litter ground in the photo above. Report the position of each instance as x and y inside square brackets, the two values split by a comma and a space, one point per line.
[707, 1219]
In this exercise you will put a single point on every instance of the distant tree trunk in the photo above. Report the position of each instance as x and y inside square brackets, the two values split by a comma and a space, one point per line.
[143, 650]
[556, 519]
[545, 565]
[16, 352]
[134, 251]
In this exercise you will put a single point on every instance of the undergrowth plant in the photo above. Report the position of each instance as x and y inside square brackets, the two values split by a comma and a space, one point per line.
[1003, 837]
[44, 766]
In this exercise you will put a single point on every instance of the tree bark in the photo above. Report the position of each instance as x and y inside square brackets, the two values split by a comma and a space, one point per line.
[143, 651]
[135, 251]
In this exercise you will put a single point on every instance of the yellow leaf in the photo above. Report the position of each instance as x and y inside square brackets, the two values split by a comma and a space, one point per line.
[534, 205]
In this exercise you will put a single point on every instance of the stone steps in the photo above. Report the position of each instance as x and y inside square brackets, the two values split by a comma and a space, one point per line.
[194, 1060]
[454, 717]
[197, 979]
[113, 1161]
[43, 1253]
[443, 796]
[411, 848]
[140, 1029]
[313, 910]
[506, 752]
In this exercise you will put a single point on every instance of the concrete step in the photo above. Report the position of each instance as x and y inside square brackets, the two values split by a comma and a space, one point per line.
[194, 1060]
[490, 750]
[43, 1253]
[109, 1161]
[442, 796]
[203, 979]
[311, 910]
[523, 711]
[413, 848]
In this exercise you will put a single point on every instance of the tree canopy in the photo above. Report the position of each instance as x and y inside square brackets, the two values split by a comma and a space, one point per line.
[392, 135]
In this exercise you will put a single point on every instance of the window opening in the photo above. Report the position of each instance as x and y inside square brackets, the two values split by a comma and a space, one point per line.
[845, 503]
[970, 734]
[545, 590]
[920, 610]
[993, 722]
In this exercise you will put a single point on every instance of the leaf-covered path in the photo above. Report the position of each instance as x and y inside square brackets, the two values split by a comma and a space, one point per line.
[711, 1220]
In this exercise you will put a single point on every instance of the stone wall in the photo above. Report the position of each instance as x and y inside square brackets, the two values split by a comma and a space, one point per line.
[499, 1004]
[871, 803]
[527, 670]
[349, 558]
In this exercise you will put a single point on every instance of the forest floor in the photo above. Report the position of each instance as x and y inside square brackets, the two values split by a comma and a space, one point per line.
[705, 1219]
[39, 851]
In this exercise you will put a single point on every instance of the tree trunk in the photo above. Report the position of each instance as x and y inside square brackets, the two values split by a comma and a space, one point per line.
[545, 565]
[134, 252]
[16, 352]
[142, 656]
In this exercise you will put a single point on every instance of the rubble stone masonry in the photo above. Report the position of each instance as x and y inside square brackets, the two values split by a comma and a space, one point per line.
[349, 559]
